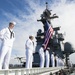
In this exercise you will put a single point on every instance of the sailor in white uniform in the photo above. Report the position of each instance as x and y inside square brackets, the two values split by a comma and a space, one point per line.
[29, 52]
[57, 60]
[44, 55]
[7, 37]
[47, 55]
[52, 59]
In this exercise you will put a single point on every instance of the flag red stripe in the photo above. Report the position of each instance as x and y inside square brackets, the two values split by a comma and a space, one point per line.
[48, 36]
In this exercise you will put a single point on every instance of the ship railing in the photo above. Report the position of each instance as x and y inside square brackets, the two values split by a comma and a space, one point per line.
[33, 71]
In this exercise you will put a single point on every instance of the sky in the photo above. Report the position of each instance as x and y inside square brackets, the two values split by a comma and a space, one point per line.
[26, 12]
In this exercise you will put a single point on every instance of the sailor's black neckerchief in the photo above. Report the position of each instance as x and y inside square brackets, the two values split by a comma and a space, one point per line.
[11, 34]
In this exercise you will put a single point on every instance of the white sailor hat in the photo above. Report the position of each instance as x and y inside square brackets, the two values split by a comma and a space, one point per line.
[13, 22]
[48, 48]
[43, 45]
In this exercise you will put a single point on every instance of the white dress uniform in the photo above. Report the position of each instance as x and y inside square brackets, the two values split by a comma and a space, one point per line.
[52, 60]
[42, 57]
[47, 58]
[57, 61]
[29, 53]
[7, 37]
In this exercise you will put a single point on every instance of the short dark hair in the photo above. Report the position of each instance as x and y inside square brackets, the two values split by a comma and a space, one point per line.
[30, 37]
[10, 24]
[43, 45]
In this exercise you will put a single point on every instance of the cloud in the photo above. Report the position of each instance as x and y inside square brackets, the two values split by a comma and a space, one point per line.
[24, 28]
[65, 11]
[28, 25]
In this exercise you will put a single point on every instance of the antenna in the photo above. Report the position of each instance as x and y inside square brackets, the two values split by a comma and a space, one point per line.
[46, 5]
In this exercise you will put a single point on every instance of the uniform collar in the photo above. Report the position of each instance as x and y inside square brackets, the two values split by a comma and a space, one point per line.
[10, 29]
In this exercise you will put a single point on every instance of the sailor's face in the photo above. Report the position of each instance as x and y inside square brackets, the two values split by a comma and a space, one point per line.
[32, 38]
[11, 26]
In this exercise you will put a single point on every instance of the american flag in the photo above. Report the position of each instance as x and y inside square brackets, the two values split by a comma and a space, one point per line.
[49, 33]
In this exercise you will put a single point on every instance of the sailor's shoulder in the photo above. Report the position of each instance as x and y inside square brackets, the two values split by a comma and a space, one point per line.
[5, 29]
